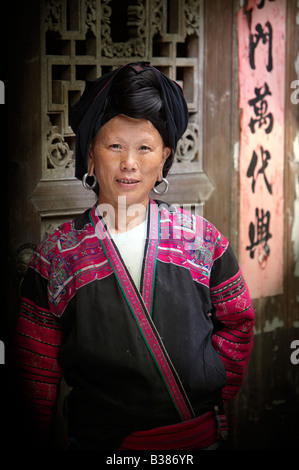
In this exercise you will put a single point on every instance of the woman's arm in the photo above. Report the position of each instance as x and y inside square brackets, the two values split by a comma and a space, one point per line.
[234, 320]
[34, 365]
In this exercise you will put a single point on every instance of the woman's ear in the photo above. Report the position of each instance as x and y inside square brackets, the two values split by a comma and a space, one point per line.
[90, 161]
[165, 154]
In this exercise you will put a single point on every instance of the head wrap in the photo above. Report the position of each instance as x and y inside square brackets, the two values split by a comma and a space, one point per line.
[87, 110]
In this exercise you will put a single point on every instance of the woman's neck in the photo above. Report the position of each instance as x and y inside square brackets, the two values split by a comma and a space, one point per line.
[121, 218]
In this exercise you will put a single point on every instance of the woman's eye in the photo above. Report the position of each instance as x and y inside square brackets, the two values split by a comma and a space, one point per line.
[115, 146]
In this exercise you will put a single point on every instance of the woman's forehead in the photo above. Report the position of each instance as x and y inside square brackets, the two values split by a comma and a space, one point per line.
[125, 127]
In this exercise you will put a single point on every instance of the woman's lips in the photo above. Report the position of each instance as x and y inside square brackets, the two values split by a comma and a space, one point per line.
[127, 182]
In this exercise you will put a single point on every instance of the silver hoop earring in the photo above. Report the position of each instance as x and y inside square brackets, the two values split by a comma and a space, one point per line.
[164, 180]
[86, 185]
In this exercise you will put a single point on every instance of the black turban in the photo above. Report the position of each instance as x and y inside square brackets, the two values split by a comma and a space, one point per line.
[87, 110]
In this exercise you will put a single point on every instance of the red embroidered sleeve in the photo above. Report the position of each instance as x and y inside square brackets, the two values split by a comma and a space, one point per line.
[34, 366]
[233, 341]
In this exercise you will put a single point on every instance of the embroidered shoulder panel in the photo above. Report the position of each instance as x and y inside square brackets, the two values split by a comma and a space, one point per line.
[69, 259]
[190, 241]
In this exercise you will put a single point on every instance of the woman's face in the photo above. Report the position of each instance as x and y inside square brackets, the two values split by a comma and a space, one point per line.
[127, 156]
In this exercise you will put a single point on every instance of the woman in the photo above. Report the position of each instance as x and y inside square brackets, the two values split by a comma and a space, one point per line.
[140, 306]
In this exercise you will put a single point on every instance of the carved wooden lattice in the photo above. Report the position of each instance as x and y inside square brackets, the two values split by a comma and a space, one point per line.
[82, 39]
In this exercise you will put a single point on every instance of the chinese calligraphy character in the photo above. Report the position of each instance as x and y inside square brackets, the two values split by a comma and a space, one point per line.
[254, 39]
[260, 107]
[259, 234]
[265, 156]
[262, 3]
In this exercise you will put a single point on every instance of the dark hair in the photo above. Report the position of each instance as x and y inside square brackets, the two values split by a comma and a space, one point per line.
[136, 95]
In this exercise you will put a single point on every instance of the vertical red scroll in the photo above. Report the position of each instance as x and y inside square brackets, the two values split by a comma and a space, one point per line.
[261, 41]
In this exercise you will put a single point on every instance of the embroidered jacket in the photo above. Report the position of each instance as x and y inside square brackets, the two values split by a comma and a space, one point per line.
[135, 358]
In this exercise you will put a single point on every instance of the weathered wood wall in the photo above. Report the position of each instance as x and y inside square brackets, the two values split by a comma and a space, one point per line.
[265, 414]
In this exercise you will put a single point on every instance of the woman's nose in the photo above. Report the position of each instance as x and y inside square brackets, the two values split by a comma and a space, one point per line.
[129, 161]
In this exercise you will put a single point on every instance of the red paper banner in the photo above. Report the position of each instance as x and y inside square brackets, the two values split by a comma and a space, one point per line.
[261, 40]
